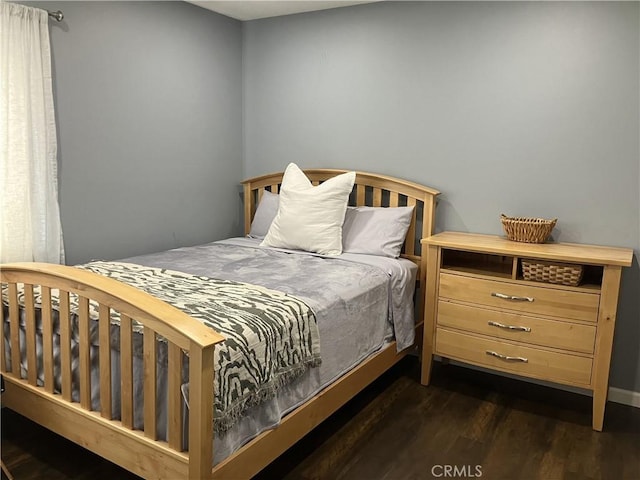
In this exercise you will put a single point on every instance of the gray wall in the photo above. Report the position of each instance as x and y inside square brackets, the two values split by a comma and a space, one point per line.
[524, 108]
[148, 98]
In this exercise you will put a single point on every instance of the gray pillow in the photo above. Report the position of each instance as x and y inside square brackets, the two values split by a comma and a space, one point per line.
[265, 213]
[375, 230]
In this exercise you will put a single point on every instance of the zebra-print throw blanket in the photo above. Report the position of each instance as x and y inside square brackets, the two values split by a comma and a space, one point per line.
[271, 338]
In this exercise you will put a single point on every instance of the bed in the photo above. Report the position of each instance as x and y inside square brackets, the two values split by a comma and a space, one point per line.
[171, 437]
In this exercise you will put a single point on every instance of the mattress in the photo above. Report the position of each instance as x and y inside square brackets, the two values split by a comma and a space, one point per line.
[361, 303]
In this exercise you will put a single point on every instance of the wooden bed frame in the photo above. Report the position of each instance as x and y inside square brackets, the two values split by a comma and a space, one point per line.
[139, 451]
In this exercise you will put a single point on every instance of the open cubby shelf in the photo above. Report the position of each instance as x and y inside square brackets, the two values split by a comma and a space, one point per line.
[507, 267]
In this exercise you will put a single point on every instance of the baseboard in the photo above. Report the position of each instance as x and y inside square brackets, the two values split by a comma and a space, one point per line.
[616, 395]
[625, 397]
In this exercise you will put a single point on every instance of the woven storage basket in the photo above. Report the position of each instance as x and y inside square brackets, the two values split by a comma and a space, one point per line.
[562, 273]
[529, 230]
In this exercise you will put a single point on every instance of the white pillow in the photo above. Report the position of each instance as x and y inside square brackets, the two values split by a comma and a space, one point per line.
[310, 218]
[265, 213]
[376, 230]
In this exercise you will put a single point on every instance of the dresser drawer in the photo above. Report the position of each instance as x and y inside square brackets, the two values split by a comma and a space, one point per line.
[542, 301]
[541, 364]
[578, 337]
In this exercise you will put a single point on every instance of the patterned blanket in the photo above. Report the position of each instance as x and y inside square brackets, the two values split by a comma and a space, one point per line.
[271, 338]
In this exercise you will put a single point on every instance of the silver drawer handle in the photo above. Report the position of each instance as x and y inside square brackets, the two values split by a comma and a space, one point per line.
[510, 327]
[511, 297]
[508, 359]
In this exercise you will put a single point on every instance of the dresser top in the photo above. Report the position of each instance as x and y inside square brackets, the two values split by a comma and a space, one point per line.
[569, 252]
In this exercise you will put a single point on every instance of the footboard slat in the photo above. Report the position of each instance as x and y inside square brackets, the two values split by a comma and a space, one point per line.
[65, 345]
[15, 328]
[85, 353]
[105, 362]
[30, 332]
[47, 339]
[149, 360]
[126, 371]
[174, 399]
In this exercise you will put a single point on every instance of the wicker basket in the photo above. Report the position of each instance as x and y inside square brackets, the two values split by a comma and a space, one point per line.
[561, 273]
[529, 230]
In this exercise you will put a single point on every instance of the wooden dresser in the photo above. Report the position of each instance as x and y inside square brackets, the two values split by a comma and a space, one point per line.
[480, 310]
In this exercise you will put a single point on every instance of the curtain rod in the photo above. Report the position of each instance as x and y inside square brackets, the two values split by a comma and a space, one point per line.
[57, 15]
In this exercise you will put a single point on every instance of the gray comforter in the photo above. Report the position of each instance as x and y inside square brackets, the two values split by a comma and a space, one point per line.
[327, 284]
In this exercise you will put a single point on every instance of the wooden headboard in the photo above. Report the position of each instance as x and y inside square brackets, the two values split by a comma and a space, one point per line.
[371, 190]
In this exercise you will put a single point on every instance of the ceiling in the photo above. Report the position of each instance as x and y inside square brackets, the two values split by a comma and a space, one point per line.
[254, 9]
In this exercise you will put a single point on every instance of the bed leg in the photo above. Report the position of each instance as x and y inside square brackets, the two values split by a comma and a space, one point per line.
[427, 359]
[200, 412]
[5, 470]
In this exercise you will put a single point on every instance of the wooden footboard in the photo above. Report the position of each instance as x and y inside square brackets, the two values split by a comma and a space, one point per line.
[116, 439]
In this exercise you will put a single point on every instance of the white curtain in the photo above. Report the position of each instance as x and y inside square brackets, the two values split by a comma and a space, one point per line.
[30, 227]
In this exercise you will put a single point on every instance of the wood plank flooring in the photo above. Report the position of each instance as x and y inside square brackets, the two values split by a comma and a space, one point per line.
[467, 424]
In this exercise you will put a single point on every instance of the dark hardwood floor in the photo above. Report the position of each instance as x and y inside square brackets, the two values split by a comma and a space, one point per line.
[467, 424]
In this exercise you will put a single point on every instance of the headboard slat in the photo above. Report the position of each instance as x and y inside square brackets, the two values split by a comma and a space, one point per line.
[409, 243]
[377, 197]
[360, 194]
[393, 199]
